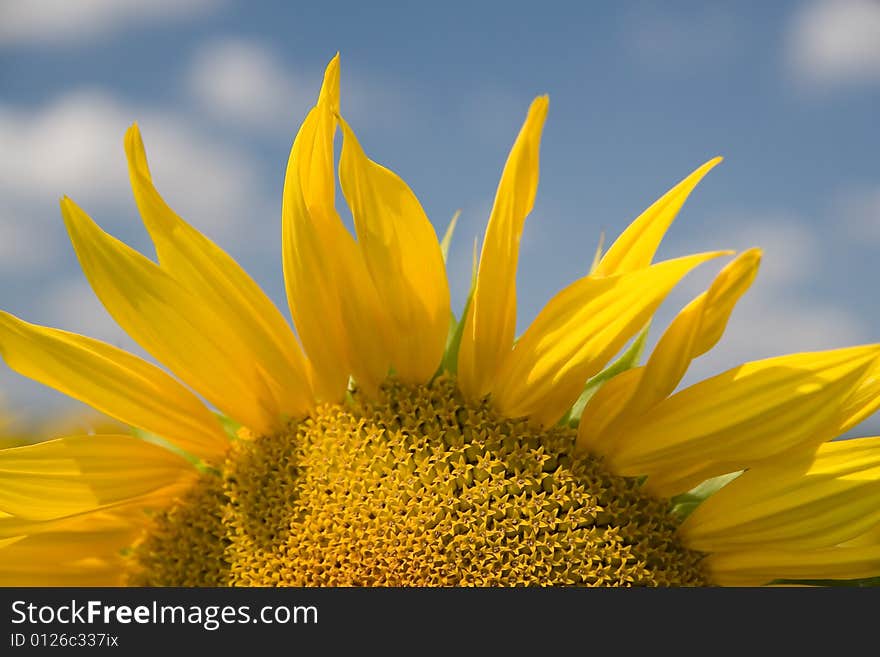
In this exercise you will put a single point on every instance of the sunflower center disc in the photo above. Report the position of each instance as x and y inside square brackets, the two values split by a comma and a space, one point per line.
[418, 489]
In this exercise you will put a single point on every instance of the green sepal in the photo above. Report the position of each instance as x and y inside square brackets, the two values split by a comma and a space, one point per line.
[456, 326]
[146, 436]
[230, 426]
[683, 505]
[447, 236]
[597, 257]
[628, 360]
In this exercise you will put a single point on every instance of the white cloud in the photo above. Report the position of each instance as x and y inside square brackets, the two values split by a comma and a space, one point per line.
[245, 82]
[74, 146]
[777, 315]
[831, 41]
[53, 22]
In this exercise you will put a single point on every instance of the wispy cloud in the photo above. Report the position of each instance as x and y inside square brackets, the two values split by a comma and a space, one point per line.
[65, 22]
[778, 315]
[245, 82]
[73, 145]
[835, 41]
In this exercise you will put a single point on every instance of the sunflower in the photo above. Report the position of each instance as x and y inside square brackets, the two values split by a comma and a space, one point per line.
[387, 444]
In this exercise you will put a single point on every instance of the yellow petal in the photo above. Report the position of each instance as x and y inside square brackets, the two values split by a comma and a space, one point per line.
[636, 246]
[696, 329]
[218, 281]
[82, 550]
[609, 404]
[490, 324]
[44, 560]
[116, 517]
[333, 301]
[801, 501]
[114, 382]
[864, 401]
[577, 333]
[761, 566]
[693, 332]
[172, 324]
[739, 417]
[75, 474]
[403, 255]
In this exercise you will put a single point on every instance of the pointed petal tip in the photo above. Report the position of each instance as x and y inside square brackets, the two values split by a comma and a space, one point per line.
[754, 255]
[538, 108]
[705, 168]
[67, 206]
[329, 93]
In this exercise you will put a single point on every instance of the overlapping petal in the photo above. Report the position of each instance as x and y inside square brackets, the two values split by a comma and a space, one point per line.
[403, 255]
[82, 550]
[114, 382]
[737, 418]
[173, 324]
[796, 502]
[334, 303]
[764, 566]
[213, 276]
[693, 332]
[577, 333]
[76, 474]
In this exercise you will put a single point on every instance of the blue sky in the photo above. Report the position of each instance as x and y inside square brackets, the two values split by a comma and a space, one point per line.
[639, 96]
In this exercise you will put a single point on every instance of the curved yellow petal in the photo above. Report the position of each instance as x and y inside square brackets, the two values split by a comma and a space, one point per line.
[83, 550]
[403, 255]
[43, 560]
[577, 333]
[636, 246]
[761, 566]
[742, 416]
[490, 324]
[696, 329]
[333, 301]
[114, 382]
[863, 402]
[609, 404]
[802, 501]
[109, 518]
[218, 281]
[72, 475]
[172, 324]
[693, 332]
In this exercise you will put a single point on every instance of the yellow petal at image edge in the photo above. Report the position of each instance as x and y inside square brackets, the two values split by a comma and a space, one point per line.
[744, 415]
[114, 382]
[804, 501]
[72, 475]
